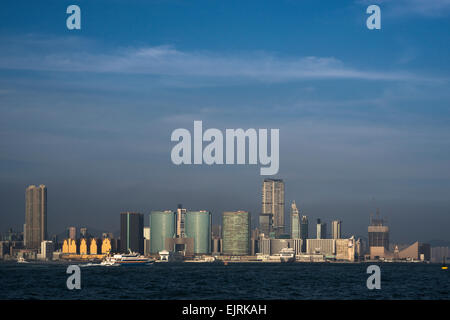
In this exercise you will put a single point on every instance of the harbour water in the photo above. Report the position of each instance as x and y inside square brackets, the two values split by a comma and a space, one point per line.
[233, 281]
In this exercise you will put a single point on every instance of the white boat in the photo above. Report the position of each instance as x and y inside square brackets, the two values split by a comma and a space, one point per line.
[22, 260]
[129, 259]
[108, 262]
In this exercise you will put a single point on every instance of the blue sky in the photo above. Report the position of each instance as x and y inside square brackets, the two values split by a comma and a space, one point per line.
[363, 115]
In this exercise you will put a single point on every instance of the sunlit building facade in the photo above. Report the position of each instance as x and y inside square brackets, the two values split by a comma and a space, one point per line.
[236, 232]
[35, 228]
[273, 202]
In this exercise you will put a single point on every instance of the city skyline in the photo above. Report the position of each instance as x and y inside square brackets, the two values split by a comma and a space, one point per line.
[228, 158]
[301, 219]
[173, 235]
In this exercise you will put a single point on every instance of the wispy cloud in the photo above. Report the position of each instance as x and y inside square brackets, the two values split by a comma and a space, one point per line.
[429, 8]
[40, 54]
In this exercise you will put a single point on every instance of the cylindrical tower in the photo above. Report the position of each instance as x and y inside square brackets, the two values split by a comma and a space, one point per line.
[162, 226]
[198, 226]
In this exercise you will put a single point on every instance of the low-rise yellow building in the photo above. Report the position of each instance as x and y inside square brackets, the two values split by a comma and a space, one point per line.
[85, 250]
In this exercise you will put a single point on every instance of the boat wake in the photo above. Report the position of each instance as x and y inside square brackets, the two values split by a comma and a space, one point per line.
[97, 265]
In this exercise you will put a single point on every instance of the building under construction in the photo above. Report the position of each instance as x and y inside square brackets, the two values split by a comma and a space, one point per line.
[378, 237]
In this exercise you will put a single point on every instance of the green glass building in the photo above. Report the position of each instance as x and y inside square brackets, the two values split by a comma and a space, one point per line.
[162, 226]
[198, 226]
[236, 233]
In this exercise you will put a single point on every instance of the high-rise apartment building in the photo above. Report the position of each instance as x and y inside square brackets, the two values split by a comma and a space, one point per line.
[35, 228]
[378, 233]
[72, 233]
[132, 232]
[304, 228]
[378, 237]
[336, 227]
[273, 202]
[295, 222]
[321, 230]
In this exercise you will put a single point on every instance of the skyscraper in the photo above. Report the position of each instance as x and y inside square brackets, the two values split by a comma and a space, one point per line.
[304, 226]
[83, 233]
[132, 232]
[295, 222]
[35, 228]
[236, 233]
[304, 230]
[378, 237]
[273, 202]
[72, 233]
[336, 226]
[198, 227]
[266, 224]
[321, 230]
[180, 218]
[378, 233]
[162, 227]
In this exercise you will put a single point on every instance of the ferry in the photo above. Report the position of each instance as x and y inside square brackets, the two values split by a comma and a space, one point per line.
[129, 259]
